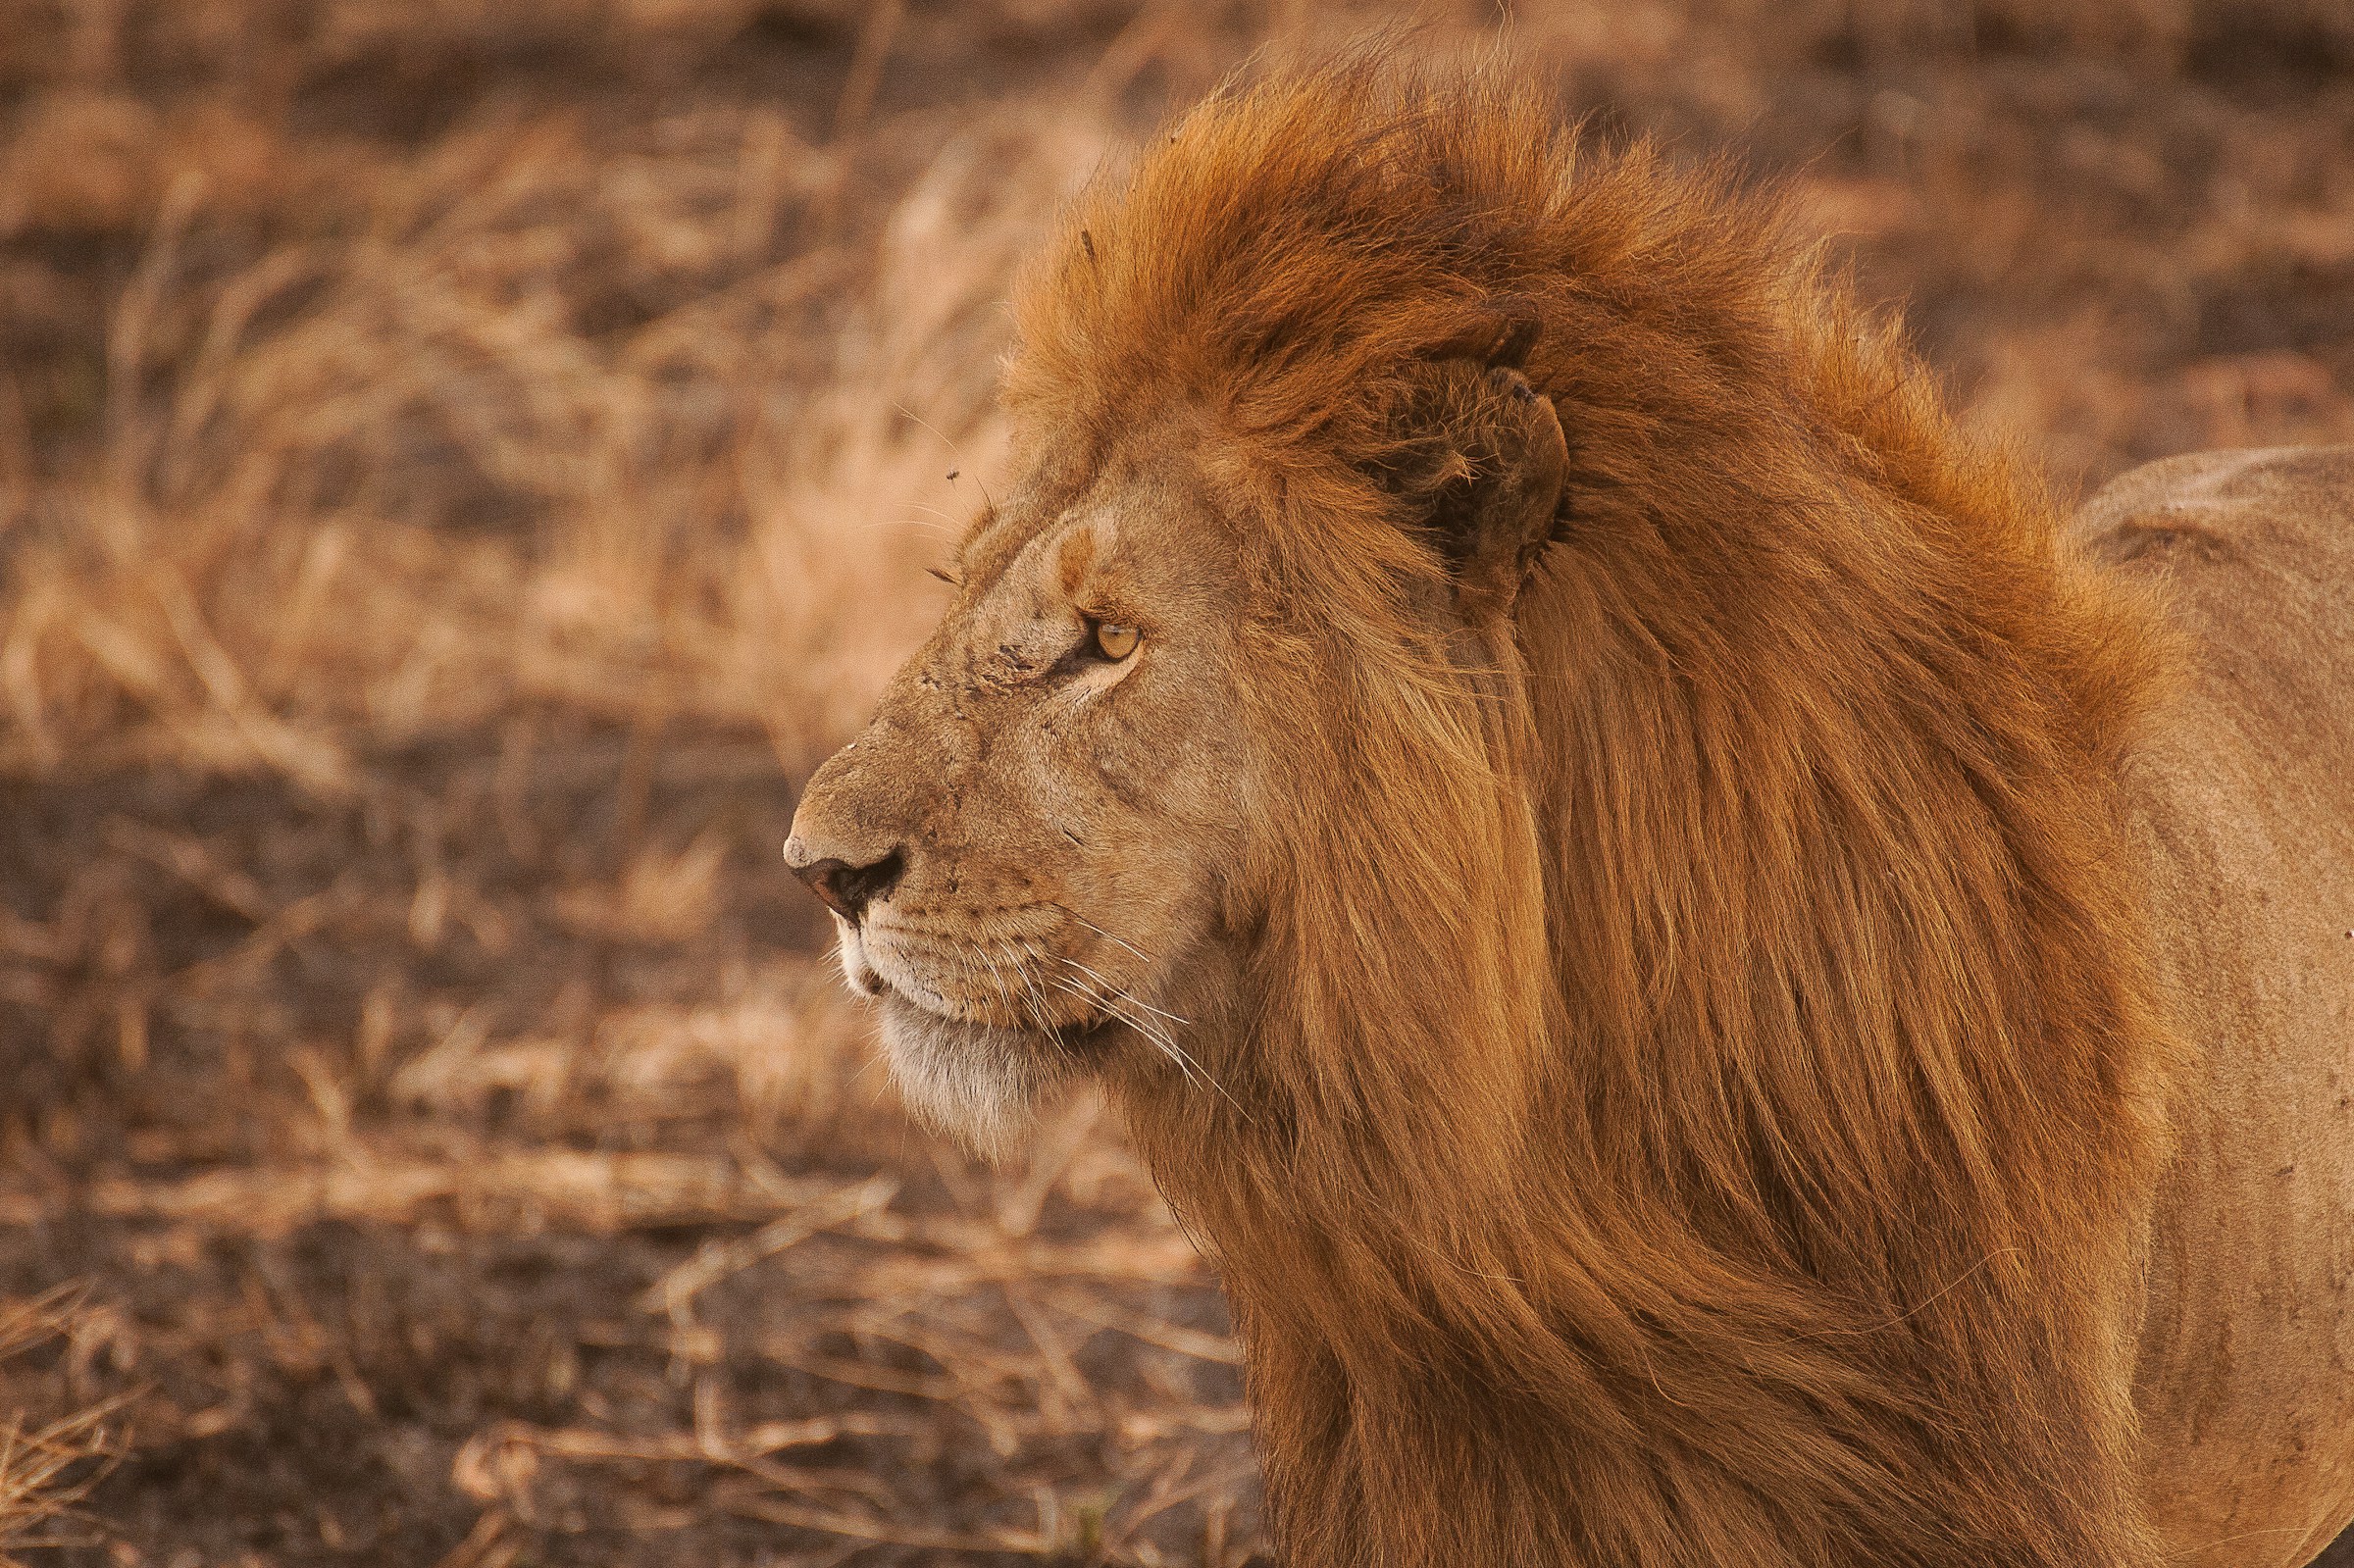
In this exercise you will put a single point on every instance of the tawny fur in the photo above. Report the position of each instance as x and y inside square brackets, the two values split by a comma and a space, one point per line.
[1716, 1087]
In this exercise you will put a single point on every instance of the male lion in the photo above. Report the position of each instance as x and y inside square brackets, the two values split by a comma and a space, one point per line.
[1719, 993]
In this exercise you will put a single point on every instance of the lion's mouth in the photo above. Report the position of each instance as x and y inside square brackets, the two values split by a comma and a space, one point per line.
[979, 1067]
[1074, 1038]
[888, 978]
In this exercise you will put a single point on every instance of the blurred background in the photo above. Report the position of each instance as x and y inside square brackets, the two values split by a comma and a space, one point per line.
[462, 462]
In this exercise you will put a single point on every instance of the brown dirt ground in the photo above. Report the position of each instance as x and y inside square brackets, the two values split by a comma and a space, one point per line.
[462, 463]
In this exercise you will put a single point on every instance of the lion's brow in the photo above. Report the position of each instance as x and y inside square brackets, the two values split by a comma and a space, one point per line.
[1075, 557]
[990, 546]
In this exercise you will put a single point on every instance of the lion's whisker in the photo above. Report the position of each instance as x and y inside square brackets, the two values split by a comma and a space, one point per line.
[1160, 1036]
[1130, 995]
[997, 978]
[1161, 1043]
[1093, 996]
[1023, 973]
[1100, 932]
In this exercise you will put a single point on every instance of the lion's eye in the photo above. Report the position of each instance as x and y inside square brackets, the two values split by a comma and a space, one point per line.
[1116, 642]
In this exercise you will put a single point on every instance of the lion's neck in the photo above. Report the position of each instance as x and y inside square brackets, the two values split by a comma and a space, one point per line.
[1604, 1366]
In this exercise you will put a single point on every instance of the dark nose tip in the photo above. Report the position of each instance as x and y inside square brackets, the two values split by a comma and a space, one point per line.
[847, 889]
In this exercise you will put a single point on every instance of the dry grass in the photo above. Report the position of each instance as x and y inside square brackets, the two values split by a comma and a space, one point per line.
[49, 1458]
[462, 464]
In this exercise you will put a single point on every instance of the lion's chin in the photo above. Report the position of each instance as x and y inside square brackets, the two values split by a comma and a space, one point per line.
[981, 1085]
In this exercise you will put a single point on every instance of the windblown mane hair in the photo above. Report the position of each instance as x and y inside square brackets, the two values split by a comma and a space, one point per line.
[1708, 1089]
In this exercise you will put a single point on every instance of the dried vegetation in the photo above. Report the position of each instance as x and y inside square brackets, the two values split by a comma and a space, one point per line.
[462, 464]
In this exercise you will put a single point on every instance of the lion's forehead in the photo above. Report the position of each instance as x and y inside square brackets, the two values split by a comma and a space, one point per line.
[1021, 542]
[1025, 590]
[1147, 505]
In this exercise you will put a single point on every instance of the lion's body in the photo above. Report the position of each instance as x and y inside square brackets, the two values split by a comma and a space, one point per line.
[1658, 1018]
[2242, 804]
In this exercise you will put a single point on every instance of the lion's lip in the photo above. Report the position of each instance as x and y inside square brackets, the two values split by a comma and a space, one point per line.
[1078, 1035]
[907, 990]
[863, 977]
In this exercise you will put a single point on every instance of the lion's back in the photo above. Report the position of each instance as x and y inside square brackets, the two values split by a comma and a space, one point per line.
[2241, 795]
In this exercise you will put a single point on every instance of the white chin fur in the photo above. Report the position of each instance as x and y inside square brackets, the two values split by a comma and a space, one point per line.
[984, 1087]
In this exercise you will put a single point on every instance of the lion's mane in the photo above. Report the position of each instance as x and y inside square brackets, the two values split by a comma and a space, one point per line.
[1707, 1082]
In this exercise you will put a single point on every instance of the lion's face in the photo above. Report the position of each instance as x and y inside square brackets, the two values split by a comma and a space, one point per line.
[1032, 849]
[1051, 849]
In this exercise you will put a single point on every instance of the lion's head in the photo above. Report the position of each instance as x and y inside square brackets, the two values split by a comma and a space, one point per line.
[1034, 851]
[1055, 847]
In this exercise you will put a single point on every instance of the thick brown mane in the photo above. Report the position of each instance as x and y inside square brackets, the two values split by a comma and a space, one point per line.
[1709, 1089]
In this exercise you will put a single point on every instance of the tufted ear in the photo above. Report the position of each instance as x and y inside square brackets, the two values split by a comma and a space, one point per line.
[1484, 463]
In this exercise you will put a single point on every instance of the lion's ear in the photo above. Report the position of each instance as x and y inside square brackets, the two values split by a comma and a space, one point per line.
[1487, 469]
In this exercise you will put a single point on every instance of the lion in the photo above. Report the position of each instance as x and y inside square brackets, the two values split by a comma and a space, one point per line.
[1720, 986]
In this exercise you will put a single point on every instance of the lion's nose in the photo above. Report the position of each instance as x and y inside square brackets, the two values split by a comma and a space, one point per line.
[845, 889]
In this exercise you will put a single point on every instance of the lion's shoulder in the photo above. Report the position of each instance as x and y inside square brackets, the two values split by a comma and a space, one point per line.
[2252, 553]
[2285, 508]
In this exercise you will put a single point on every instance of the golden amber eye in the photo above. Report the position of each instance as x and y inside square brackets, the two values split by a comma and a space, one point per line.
[1116, 642]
